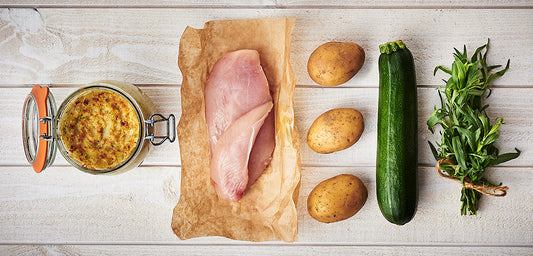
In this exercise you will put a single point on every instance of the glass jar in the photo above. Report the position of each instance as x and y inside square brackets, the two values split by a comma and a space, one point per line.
[99, 128]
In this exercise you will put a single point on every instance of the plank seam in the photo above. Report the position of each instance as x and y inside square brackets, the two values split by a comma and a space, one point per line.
[293, 7]
[247, 244]
[303, 166]
[302, 86]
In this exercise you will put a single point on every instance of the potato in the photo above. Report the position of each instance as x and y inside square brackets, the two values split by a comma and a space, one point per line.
[335, 130]
[335, 63]
[337, 198]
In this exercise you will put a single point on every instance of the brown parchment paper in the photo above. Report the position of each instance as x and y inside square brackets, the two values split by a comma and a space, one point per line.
[267, 211]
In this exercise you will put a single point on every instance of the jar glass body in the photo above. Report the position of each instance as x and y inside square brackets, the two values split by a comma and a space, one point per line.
[142, 106]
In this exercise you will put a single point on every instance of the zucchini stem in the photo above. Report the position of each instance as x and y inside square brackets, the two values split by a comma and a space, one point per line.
[391, 47]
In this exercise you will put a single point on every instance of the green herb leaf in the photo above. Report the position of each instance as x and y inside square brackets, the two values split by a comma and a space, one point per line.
[504, 158]
[435, 118]
[442, 69]
[433, 150]
[499, 73]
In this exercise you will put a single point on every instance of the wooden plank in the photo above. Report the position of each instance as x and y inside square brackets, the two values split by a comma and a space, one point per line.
[401, 4]
[63, 206]
[82, 45]
[272, 4]
[258, 250]
[143, 4]
[513, 104]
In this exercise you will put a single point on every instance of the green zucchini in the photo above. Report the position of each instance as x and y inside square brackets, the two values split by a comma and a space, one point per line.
[397, 148]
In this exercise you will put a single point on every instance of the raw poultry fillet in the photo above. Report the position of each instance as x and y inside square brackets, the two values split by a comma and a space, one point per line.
[240, 122]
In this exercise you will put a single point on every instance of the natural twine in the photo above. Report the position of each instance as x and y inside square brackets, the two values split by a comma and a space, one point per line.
[486, 190]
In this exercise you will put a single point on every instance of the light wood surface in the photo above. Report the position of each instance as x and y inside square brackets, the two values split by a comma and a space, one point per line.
[401, 4]
[76, 46]
[63, 211]
[267, 250]
[62, 205]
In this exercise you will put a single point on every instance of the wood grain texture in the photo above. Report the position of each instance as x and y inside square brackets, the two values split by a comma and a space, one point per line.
[273, 3]
[259, 250]
[63, 211]
[64, 206]
[512, 104]
[140, 46]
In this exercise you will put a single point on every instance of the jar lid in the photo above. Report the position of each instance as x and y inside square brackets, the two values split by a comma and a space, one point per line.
[38, 128]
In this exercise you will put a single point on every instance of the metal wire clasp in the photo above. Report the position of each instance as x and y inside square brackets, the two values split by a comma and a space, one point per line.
[44, 120]
[170, 125]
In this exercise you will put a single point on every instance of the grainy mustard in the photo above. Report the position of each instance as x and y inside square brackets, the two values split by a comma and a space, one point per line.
[100, 129]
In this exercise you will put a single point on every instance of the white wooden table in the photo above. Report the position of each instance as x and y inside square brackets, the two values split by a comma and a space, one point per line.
[63, 211]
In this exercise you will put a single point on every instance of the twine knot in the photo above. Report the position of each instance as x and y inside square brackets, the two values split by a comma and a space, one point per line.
[467, 183]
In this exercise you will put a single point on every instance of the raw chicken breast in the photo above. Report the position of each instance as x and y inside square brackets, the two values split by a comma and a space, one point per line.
[238, 101]
[262, 153]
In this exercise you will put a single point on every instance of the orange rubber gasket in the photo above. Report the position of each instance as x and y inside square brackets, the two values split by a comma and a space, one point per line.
[41, 95]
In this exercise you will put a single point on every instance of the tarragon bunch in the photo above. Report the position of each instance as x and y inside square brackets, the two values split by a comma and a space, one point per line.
[467, 142]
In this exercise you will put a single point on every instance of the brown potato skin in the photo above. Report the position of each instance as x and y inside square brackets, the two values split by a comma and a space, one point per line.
[335, 63]
[335, 130]
[337, 198]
